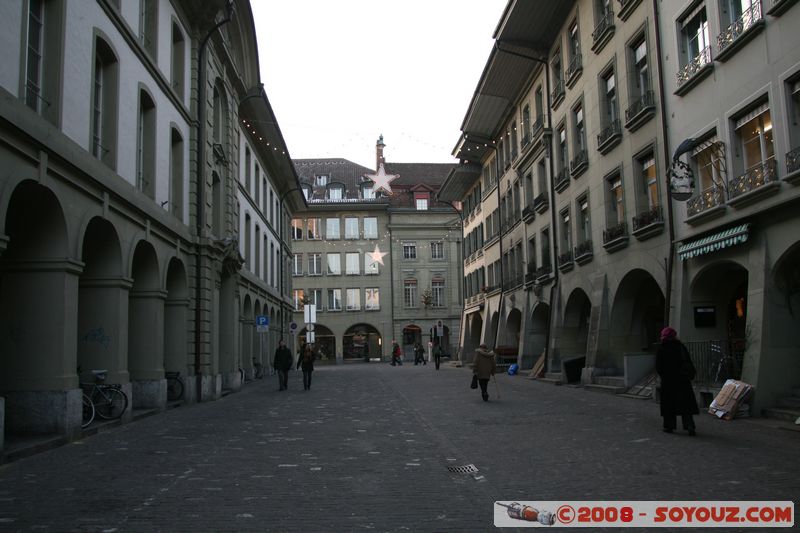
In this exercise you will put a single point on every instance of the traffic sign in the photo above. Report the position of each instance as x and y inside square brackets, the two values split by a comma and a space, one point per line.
[293, 326]
[309, 327]
[262, 320]
[262, 329]
[310, 337]
[310, 313]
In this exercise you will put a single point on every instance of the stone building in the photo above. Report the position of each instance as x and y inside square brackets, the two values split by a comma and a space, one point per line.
[363, 305]
[130, 132]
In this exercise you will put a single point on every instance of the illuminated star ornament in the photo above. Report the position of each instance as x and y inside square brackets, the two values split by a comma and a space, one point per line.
[376, 255]
[381, 180]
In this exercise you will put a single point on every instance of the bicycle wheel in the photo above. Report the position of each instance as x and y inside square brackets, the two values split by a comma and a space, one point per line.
[88, 411]
[110, 403]
[174, 389]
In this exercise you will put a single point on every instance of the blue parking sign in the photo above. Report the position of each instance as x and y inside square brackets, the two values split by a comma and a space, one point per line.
[262, 320]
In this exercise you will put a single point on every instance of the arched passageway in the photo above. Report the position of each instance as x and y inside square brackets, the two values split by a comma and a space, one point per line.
[574, 334]
[361, 341]
[175, 319]
[324, 343]
[473, 337]
[536, 335]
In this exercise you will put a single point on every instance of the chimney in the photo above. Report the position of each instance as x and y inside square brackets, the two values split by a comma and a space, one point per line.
[379, 153]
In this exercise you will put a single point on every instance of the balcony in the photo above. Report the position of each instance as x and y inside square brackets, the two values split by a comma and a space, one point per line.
[756, 183]
[615, 237]
[513, 282]
[542, 274]
[792, 166]
[583, 252]
[649, 223]
[740, 32]
[778, 7]
[640, 111]
[694, 71]
[557, 96]
[708, 204]
[537, 128]
[540, 203]
[609, 137]
[574, 69]
[626, 7]
[561, 180]
[603, 32]
[528, 214]
[565, 262]
[579, 164]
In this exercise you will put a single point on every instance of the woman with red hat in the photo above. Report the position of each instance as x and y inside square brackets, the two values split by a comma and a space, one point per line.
[676, 370]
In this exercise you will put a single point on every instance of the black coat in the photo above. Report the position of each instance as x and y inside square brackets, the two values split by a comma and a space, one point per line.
[677, 395]
[306, 363]
[283, 359]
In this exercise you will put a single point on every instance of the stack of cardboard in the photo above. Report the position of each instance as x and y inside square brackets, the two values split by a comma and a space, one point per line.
[726, 404]
[538, 369]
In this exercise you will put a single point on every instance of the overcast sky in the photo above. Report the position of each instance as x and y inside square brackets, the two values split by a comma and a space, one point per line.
[339, 73]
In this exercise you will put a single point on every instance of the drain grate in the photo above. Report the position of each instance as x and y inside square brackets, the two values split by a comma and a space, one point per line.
[466, 469]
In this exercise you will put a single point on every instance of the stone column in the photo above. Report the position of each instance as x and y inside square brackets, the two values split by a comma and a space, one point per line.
[146, 349]
[38, 324]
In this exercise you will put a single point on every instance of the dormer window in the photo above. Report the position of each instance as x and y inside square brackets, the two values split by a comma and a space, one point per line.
[322, 180]
[421, 200]
[367, 192]
[335, 192]
[307, 192]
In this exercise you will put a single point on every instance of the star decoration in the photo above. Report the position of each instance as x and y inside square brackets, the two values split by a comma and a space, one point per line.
[376, 255]
[381, 180]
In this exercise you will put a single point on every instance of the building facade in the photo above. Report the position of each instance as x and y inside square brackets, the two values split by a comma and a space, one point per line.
[363, 305]
[124, 211]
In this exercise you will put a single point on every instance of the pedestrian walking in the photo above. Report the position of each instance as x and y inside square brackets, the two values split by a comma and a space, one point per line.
[484, 367]
[419, 354]
[306, 361]
[674, 366]
[282, 364]
[437, 354]
[396, 355]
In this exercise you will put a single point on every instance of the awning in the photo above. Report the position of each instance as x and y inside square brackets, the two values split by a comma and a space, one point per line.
[717, 241]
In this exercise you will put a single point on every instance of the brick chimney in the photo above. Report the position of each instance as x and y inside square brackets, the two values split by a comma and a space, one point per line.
[379, 153]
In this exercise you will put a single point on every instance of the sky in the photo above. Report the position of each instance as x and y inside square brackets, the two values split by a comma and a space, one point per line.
[339, 73]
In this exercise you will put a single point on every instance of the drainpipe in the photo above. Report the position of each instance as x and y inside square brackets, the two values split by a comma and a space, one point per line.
[665, 144]
[201, 189]
[463, 276]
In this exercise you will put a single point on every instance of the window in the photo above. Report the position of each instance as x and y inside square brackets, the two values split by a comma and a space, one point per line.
[257, 256]
[372, 300]
[370, 228]
[298, 297]
[410, 293]
[264, 204]
[148, 17]
[539, 106]
[421, 200]
[145, 146]
[367, 192]
[545, 242]
[297, 264]
[257, 182]
[609, 98]
[574, 41]
[617, 200]
[584, 227]
[566, 231]
[532, 254]
[335, 192]
[437, 292]
[104, 104]
[525, 124]
[43, 58]
[350, 228]
[314, 229]
[322, 180]
[649, 180]
[176, 174]
[332, 228]
[315, 264]
[409, 250]
[216, 204]
[177, 66]
[512, 143]
[220, 125]
[267, 259]
[370, 265]
[558, 73]
[437, 250]
[640, 81]
[297, 229]
[754, 138]
[695, 43]
[315, 298]
[541, 177]
[580, 129]
[247, 168]
[307, 192]
[352, 263]
[246, 245]
[334, 299]
[35, 52]
[353, 299]
[562, 149]
[334, 264]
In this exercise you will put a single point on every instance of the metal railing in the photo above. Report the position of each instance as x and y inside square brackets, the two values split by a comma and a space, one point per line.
[716, 360]
[583, 249]
[613, 128]
[647, 218]
[645, 101]
[558, 90]
[750, 16]
[579, 162]
[575, 65]
[753, 179]
[605, 24]
[707, 199]
[688, 71]
[615, 232]
[793, 160]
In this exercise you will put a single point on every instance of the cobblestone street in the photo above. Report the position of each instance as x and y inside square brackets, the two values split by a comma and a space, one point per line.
[367, 448]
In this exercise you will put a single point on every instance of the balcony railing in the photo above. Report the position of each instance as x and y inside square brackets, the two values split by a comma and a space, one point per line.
[558, 92]
[792, 161]
[513, 281]
[693, 67]
[528, 213]
[709, 198]
[603, 30]
[561, 180]
[615, 236]
[574, 68]
[583, 252]
[565, 261]
[716, 361]
[626, 7]
[753, 179]
[540, 203]
[544, 270]
[640, 109]
[578, 164]
[648, 218]
[748, 19]
[537, 127]
[609, 136]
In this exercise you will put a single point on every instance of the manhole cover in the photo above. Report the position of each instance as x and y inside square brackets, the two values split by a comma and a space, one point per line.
[466, 469]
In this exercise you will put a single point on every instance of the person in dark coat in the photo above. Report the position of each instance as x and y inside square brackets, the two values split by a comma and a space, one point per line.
[306, 361]
[282, 363]
[437, 354]
[676, 370]
[397, 358]
[484, 367]
[419, 354]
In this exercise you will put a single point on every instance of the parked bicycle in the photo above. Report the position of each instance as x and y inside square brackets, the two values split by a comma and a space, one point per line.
[258, 368]
[174, 386]
[107, 400]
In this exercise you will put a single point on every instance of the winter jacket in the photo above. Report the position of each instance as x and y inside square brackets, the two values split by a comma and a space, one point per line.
[283, 359]
[484, 365]
[307, 362]
[675, 369]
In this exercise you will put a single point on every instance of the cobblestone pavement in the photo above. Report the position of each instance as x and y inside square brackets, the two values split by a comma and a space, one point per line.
[368, 449]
